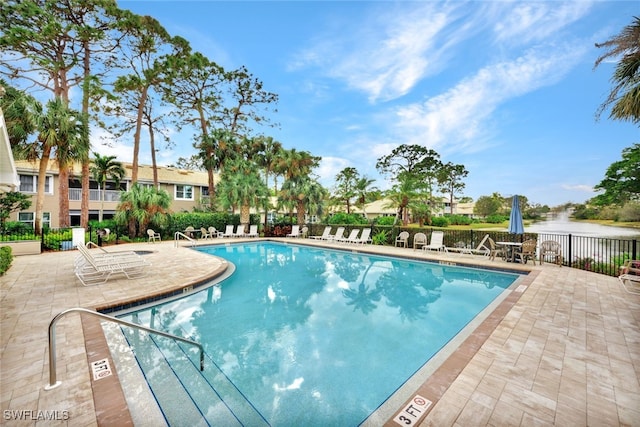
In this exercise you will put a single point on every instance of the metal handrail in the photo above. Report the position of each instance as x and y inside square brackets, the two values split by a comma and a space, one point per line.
[179, 234]
[52, 339]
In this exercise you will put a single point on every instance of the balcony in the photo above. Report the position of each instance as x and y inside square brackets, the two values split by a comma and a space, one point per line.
[75, 194]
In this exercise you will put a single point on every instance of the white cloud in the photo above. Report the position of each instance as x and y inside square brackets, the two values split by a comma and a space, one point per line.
[578, 187]
[459, 117]
[329, 168]
[534, 21]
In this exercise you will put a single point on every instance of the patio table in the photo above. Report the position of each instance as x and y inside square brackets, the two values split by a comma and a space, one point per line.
[510, 248]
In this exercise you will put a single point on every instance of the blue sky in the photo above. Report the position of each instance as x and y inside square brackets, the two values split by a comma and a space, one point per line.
[505, 88]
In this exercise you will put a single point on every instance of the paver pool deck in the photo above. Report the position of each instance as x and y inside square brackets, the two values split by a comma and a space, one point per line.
[565, 351]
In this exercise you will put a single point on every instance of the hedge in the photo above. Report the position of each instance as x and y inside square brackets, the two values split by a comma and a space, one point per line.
[5, 259]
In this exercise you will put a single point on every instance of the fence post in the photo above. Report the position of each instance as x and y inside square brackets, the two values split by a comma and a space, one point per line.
[570, 257]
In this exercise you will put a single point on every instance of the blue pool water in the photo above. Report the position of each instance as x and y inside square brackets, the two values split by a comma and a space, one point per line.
[306, 336]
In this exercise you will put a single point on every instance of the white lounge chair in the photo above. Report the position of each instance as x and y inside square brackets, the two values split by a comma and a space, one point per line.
[481, 249]
[295, 231]
[436, 243]
[240, 231]
[338, 236]
[364, 237]
[325, 234]
[630, 276]
[93, 270]
[253, 231]
[353, 235]
[228, 231]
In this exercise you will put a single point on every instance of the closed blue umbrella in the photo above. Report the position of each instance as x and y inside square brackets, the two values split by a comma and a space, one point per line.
[515, 219]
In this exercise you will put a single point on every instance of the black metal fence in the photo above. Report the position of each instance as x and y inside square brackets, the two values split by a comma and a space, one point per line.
[598, 254]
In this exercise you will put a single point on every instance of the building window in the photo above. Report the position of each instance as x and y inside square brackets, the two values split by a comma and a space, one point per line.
[204, 191]
[30, 218]
[184, 192]
[29, 184]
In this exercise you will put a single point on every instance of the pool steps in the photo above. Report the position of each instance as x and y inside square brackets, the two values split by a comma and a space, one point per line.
[186, 395]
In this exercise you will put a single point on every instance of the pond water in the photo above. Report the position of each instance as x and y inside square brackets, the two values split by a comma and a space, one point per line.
[561, 224]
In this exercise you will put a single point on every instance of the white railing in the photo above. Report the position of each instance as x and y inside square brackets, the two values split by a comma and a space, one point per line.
[75, 194]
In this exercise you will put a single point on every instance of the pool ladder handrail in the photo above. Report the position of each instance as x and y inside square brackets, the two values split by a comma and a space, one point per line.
[53, 383]
[178, 234]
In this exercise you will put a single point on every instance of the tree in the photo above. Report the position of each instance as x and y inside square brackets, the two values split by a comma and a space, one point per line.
[306, 194]
[12, 201]
[241, 185]
[450, 180]
[402, 195]
[106, 168]
[365, 192]
[345, 189]
[622, 179]
[141, 206]
[488, 205]
[625, 94]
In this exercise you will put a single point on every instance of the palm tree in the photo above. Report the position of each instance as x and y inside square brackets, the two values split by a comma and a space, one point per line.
[268, 158]
[364, 190]
[625, 95]
[402, 195]
[106, 168]
[60, 127]
[241, 185]
[141, 206]
[306, 194]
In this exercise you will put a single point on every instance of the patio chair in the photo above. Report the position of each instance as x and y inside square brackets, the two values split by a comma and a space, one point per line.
[481, 249]
[205, 234]
[189, 232]
[353, 235]
[402, 239]
[253, 231]
[551, 250]
[436, 243]
[93, 270]
[419, 239]
[214, 232]
[364, 237]
[630, 276]
[495, 250]
[527, 251]
[338, 236]
[295, 231]
[325, 234]
[228, 232]
[153, 236]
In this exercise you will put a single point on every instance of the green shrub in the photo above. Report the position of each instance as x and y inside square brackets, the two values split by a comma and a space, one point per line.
[496, 219]
[459, 219]
[440, 221]
[6, 257]
[348, 219]
[380, 238]
[53, 238]
[17, 227]
[385, 220]
[630, 212]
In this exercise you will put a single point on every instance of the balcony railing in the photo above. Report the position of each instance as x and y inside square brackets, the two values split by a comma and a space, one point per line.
[75, 194]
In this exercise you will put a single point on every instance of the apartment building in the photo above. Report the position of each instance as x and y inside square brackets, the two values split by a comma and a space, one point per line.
[187, 189]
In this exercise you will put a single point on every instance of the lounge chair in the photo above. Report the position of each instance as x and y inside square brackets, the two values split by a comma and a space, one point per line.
[295, 231]
[228, 232]
[240, 231]
[419, 239]
[338, 236]
[153, 236]
[436, 243]
[403, 239]
[481, 249]
[364, 237]
[325, 234]
[353, 235]
[253, 231]
[527, 251]
[92, 270]
[551, 250]
[630, 276]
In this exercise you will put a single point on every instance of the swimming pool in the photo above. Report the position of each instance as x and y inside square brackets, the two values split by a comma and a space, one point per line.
[305, 336]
